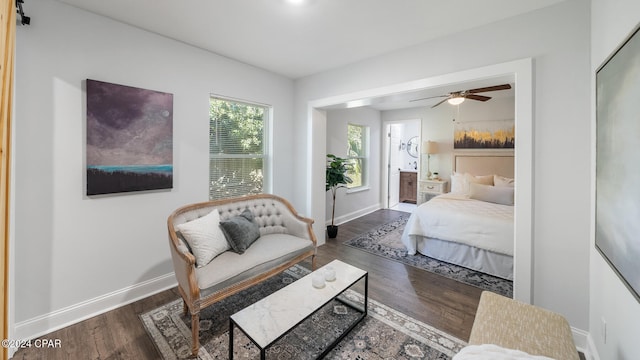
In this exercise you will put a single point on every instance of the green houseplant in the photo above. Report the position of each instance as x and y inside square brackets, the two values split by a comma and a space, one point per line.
[336, 178]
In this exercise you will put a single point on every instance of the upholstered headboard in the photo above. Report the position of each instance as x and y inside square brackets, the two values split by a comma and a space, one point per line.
[481, 163]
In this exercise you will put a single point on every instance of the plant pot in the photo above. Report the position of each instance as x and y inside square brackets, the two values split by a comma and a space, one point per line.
[332, 231]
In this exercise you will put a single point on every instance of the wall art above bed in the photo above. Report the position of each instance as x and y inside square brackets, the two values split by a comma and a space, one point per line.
[495, 134]
[618, 162]
[129, 139]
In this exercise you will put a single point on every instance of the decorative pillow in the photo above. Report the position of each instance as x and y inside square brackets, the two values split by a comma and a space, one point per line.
[205, 238]
[494, 194]
[457, 183]
[241, 231]
[477, 179]
[503, 181]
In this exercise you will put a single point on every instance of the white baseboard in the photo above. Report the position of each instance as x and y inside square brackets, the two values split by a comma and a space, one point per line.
[591, 352]
[354, 215]
[584, 343]
[44, 324]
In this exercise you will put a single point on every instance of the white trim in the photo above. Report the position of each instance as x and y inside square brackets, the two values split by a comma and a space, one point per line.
[590, 351]
[61, 318]
[354, 215]
[358, 189]
[519, 70]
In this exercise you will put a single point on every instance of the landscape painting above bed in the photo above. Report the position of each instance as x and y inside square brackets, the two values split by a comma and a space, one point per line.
[494, 134]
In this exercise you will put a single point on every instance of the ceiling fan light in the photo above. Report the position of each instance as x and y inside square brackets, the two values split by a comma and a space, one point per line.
[456, 100]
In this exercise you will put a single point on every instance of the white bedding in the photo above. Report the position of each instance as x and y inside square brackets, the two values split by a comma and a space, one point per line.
[457, 218]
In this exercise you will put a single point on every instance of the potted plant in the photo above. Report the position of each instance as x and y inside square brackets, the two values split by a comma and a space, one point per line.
[336, 178]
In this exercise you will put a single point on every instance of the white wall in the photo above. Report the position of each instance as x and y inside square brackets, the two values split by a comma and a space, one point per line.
[611, 23]
[557, 38]
[350, 204]
[75, 255]
[438, 125]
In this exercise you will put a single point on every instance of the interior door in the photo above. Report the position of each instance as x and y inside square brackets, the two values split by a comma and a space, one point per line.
[395, 163]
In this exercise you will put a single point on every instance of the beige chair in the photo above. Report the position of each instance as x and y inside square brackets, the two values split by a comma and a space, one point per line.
[285, 240]
[516, 325]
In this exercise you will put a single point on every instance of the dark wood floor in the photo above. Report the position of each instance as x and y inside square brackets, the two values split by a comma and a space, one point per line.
[445, 304]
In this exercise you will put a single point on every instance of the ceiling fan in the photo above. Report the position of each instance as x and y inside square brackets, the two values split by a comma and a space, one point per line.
[457, 97]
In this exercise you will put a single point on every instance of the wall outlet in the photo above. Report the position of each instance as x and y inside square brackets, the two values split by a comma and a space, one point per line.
[603, 329]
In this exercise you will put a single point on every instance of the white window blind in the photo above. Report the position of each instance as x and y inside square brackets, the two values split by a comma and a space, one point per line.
[358, 153]
[237, 147]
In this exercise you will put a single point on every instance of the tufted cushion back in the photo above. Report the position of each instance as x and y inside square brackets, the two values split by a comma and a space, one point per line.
[272, 215]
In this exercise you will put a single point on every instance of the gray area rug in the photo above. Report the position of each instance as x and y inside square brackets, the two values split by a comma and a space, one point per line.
[386, 241]
[384, 334]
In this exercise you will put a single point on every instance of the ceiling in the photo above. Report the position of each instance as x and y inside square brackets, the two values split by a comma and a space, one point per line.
[411, 99]
[301, 40]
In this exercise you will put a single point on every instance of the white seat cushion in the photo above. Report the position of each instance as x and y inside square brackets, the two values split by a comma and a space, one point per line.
[268, 250]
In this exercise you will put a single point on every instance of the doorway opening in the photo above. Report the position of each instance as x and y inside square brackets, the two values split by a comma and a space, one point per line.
[402, 164]
[519, 72]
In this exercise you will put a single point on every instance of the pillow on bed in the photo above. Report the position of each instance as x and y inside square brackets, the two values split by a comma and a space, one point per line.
[493, 194]
[477, 179]
[503, 181]
[457, 183]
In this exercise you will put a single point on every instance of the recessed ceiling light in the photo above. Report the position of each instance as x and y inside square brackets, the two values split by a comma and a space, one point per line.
[296, 2]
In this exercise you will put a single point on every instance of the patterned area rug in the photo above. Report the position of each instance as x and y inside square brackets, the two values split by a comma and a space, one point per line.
[384, 334]
[386, 241]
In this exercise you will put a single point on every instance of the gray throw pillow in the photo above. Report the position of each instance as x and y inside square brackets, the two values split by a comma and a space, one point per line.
[241, 231]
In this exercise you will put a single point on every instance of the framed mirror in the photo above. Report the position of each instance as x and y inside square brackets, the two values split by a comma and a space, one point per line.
[412, 146]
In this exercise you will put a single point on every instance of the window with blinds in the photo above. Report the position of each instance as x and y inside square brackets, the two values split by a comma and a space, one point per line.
[357, 153]
[237, 148]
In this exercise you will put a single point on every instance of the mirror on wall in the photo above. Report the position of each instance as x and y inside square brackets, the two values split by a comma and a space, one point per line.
[412, 146]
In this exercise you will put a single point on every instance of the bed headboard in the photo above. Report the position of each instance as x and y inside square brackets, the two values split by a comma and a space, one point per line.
[482, 163]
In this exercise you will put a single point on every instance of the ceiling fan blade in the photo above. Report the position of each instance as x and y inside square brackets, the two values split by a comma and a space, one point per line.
[477, 97]
[440, 102]
[489, 88]
[430, 97]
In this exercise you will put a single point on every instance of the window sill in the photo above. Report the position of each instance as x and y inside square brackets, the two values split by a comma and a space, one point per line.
[358, 189]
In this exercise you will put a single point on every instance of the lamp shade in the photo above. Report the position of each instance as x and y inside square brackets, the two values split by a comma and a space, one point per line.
[429, 147]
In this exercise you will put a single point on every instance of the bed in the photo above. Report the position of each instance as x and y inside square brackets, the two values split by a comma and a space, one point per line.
[472, 226]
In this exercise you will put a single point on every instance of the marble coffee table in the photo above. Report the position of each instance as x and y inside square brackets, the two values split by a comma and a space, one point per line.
[269, 319]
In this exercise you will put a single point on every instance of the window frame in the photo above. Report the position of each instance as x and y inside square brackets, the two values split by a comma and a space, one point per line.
[266, 145]
[366, 147]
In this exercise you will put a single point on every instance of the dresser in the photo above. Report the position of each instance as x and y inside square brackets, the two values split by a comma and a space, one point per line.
[408, 186]
[430, 188]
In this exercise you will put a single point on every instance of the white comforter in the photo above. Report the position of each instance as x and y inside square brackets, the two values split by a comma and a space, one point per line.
[494, 352]
[457, 218]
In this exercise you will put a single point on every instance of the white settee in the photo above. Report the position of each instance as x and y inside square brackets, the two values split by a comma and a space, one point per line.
[285, 239]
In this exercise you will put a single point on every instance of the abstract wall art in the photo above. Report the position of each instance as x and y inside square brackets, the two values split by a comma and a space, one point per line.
[498, 134]
[617, 232]
[129, 139]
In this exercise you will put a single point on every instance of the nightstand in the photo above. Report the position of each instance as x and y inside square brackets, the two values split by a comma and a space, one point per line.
[427, 189]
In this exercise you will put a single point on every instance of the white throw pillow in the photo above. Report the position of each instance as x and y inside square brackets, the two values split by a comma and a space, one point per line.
[205, 237]
[503, 181]
[477, 179]
[493, 194]
[457, 183]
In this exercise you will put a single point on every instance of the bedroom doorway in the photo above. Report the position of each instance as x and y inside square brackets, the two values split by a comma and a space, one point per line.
[507, 72]
[401, 164]
[393, 146]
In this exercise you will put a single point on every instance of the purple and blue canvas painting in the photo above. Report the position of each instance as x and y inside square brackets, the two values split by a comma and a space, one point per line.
[129, 139]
